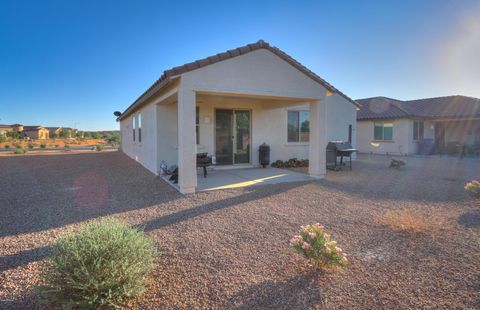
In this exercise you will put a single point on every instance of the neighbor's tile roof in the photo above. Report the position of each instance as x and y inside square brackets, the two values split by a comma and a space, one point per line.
[31, 128]
[444, 107]
[380, 108]
[167, 74]
[439, 107]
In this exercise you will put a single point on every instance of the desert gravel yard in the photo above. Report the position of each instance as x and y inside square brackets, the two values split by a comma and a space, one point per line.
[229, 249]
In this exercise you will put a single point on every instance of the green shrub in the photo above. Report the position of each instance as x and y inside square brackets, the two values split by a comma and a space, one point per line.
[3, 138]
[473, 189]
[20, 151]
[99, 147]
[103, 264]
[315, 245]
[31, 146]
[43, 145]
[17, 146]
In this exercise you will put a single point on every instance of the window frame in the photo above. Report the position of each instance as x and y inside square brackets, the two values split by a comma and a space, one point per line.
[419, 131]
[133, 127]
[139, 126]
[197, 124]
[382, 125]
[299, 139]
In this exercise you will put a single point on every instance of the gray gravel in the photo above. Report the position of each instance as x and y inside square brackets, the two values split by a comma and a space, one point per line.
[229, 248]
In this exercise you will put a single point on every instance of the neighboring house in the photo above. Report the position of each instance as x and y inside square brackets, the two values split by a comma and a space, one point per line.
[390, 126]
[228, 105]
[36, 132]
[4, 129]
[69, 132]
[54, 131]
[17, 127]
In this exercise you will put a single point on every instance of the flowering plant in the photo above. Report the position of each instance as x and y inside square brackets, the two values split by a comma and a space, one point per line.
[473, 188]
[315, 245]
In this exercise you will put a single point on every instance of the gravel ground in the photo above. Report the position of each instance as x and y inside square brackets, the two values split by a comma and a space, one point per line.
[229, 249]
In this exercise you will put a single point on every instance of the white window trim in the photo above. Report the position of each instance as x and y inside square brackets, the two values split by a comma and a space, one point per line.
[297, 143]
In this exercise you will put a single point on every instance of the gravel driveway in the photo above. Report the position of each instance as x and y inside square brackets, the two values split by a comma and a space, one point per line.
[229, 249]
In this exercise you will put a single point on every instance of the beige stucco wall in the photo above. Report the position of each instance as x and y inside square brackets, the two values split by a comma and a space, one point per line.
[268, 124]
[41, 134]
[401, 143]
[145, 151]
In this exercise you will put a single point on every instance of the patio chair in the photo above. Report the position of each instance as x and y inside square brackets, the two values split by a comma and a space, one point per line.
[204, 161]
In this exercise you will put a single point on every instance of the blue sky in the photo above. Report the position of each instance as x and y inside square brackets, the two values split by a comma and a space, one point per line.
[72, 63]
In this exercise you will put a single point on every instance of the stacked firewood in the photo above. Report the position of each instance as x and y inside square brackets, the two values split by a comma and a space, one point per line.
[291, 163]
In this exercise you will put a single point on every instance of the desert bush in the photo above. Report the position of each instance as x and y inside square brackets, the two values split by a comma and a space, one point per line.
[31, 146]
[315, 245]
[473, 189]
[3, 138]
[99, 147]
[103, 264]
[413, 220]
[17, 146]
[20, 151]
[113, 138]
[43, 145]
[6, 146]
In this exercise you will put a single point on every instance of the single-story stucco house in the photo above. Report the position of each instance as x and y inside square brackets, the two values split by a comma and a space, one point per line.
[390, 126]
[54, 131]
[4, 129]
[36, 132]
[228, 105]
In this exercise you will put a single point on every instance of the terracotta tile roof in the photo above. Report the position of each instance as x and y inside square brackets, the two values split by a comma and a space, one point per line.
[168, 74]
[439, 107]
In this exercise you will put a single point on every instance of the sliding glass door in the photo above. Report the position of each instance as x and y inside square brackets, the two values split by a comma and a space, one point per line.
[232, 136]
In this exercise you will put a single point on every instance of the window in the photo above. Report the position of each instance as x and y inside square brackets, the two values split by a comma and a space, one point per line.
[133, 127]
[383, 131]
[298, 124]
[139, 125]
[197, 124]
[417, 130]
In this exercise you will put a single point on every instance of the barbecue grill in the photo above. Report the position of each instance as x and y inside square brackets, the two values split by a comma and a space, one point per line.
[203, 161]
[339, 149]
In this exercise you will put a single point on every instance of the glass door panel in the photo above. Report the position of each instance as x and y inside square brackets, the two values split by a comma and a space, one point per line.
[241, 138]
[223, 137]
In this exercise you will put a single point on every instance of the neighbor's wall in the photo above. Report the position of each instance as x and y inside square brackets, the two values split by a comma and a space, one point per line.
[144, 152]
[402, 131]
[463, 131]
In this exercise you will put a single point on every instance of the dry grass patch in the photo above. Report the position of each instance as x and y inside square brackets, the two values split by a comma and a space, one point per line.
[415, 220]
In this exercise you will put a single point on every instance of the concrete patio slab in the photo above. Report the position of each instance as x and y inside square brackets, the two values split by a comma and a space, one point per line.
[235, 178]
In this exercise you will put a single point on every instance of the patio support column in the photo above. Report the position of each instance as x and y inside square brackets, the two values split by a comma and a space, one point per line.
[317, 154]
[187, 165]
